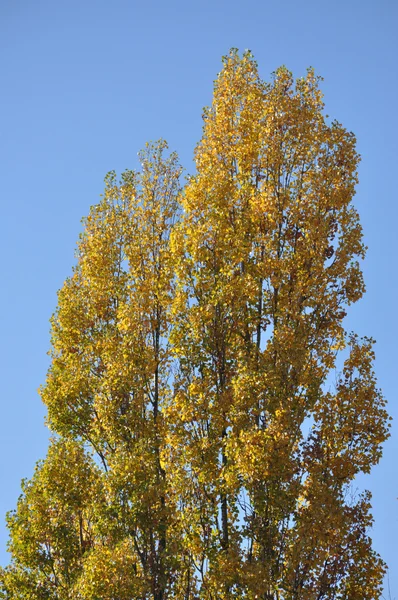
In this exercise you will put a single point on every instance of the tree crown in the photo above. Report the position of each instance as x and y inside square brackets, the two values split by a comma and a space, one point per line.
[201, 449]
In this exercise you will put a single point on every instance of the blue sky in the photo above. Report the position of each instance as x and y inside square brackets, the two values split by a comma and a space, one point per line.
[86, 83]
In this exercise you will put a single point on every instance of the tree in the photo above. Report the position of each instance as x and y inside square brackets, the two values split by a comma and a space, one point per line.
[210, 411]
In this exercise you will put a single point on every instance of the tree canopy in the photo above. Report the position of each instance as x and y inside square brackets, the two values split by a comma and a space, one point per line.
[209, 409]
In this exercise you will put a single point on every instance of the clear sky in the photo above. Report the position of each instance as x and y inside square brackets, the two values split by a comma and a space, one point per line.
[85, 83]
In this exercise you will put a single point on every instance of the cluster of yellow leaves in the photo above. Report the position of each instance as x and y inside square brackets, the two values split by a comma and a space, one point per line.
[191, 355]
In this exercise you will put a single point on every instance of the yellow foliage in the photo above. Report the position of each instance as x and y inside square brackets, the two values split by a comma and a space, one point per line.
[193, 350]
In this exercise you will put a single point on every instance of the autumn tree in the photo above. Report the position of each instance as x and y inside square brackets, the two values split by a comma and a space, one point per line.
[210, 410]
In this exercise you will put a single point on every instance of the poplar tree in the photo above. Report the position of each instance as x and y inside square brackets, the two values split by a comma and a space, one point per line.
[210, 411]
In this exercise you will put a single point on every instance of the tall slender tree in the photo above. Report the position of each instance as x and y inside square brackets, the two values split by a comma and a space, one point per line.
[211, 411]
[267, 252]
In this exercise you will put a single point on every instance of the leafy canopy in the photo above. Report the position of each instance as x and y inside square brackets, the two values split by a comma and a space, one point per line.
[205, 442]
